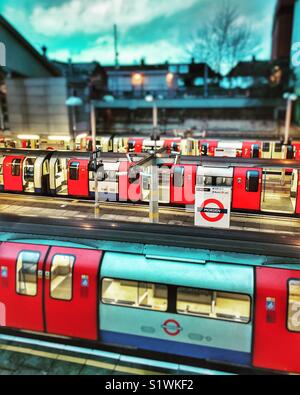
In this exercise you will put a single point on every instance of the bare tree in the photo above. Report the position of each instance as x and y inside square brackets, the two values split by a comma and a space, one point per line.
[224, 40]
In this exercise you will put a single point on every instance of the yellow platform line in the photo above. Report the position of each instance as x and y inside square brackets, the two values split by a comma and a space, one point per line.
[78, 360]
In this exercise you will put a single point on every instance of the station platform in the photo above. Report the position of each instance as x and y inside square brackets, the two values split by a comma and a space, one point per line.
[39, 206]
[23, 356]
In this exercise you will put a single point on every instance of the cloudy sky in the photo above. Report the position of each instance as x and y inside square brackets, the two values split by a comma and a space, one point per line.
[158, 30]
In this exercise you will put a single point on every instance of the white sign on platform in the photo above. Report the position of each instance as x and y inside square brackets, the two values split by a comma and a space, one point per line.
[213, 206]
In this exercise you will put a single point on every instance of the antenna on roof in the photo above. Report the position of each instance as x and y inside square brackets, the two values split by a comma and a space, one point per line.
[116, 38]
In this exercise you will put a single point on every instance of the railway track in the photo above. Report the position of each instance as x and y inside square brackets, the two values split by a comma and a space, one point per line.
[142, 207]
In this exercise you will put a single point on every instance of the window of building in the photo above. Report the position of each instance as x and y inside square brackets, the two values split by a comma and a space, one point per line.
[135, 294]
[62, 277]
[213, 304]
[294, 306]
[74, 171]
[16, 167]
[27, 267]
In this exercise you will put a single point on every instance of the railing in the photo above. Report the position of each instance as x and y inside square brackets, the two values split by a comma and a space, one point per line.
[261, 92]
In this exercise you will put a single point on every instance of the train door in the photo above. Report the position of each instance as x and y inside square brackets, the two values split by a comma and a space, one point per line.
[61, 176]
[251, 150]
[296, 150]
[13, 173]
[108, 184]
[21, 286]
[278, 190]
[183, 181]
[78, 177]
[247, 188]
[71, 300]
[28, 174]
[278, 150]
[1, 173]
[266, 150]
[298, 194]
[277, 319]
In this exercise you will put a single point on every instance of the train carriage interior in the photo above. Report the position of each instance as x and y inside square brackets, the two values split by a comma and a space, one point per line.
[279, 190]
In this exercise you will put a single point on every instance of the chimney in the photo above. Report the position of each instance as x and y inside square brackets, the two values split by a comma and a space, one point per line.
[44, 51]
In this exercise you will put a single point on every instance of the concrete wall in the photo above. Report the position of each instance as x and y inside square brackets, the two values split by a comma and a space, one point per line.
[37, 106]
[19, 59]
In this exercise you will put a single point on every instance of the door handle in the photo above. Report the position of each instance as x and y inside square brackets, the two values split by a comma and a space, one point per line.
[40, 274]
[47, 275]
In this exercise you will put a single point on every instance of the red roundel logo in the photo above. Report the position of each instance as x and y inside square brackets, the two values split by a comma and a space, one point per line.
[171, 327]
[212, 213]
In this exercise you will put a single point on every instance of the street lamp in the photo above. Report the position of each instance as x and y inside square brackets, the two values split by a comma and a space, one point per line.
[289, 97]
[73, 102]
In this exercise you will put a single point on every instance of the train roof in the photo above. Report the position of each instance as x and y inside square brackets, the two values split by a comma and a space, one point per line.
[256, 247]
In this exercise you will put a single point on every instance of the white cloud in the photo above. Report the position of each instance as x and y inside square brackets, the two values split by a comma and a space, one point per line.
[93, 16]
[128, 54]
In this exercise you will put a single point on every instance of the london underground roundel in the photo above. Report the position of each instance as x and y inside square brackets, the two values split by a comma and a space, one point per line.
[171, 327]
[212, 210]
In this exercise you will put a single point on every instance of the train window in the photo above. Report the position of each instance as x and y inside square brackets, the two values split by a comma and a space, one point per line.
[290, 152]
[26, 273]
[29, 169]
[16, 167]
[204, 149]
[61, 276]
[294, 306]
[178, 179]
[135, 294]
[252, 183]
[278, 147]
[233, 307]
[218, 181]
[194, 301]
[74, 171]
[213, 304]
[131, 145]
[223, 181]
[266, 147]
[134, 176]
[255, 151]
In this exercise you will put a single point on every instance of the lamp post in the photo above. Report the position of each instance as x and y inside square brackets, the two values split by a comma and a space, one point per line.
[72, 102]
[154, 184]
[290, 98]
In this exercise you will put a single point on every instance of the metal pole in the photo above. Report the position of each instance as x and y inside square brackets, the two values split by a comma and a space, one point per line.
[94, 148]
[74, 128]
[288, 120]
[93, 125]
[154, 194]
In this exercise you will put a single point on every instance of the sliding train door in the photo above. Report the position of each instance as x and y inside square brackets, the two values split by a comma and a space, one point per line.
[277, 319]
[247, 188]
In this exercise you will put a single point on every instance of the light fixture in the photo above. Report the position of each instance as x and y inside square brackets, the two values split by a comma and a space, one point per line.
[290, 96]
[59, 138]
[149, 98]
[137, 79]
[28, 137]
[74, 101]
[170, 79]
